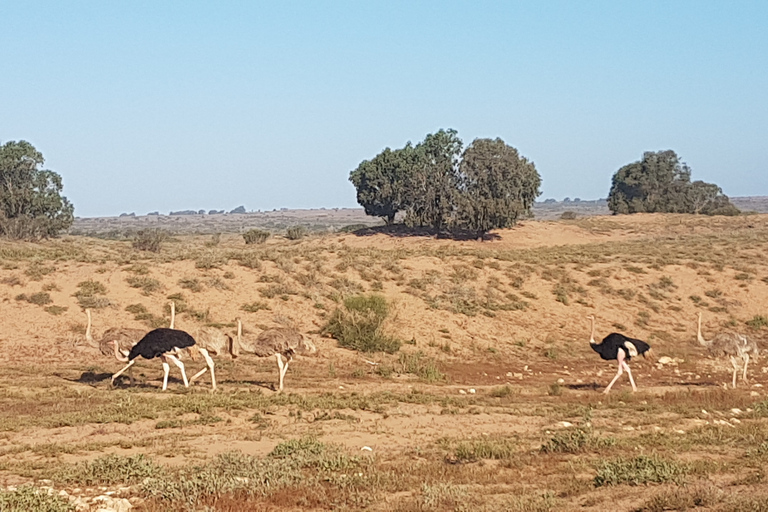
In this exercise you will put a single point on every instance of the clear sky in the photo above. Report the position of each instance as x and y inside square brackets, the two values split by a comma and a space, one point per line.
[171, 105]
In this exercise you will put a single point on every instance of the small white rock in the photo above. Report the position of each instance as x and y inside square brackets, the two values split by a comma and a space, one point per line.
[561, 381]
[565, 424]
[735, 420]
[462, 392]
[704, 412]
[366, 448]
[472, 391]
[736, 411]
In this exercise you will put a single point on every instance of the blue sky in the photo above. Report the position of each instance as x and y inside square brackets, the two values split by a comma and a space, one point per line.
[170, 105]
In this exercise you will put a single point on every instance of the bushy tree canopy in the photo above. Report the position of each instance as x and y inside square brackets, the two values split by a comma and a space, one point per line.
[31, 204]
[381, 182]
[437, 184]
[433, 182]
[660, 182]
[497, 186]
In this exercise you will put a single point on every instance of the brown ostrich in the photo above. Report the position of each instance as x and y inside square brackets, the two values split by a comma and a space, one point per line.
[732, 345]
[279, 342]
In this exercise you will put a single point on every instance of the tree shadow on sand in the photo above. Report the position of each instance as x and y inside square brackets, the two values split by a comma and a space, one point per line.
[403, 231]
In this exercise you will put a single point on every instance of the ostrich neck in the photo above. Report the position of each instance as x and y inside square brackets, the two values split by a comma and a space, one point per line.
[118, 355]
[699, 337]
[592, 334]
[173, 315]
[88, 334]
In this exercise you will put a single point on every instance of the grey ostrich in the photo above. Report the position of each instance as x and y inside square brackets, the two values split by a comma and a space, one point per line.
[211, 341]
[116, 342]
[279, 342]
[208, 340]
[732, 345]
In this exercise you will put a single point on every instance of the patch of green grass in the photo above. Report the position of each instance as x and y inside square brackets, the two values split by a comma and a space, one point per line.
[191, 283]
[39, 298]
[486, 447]
[418, 364]
[640, 470]
[30, 499]
[148, 285]
[56, 310]
[757, 322]
[253, 307]
[108, 469]
[576, 440]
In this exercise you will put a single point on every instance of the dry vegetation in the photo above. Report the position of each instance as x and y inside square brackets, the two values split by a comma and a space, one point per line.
[491, 402]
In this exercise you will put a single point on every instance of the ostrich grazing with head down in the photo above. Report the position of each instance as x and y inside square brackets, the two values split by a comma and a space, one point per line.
[621, 348]
[280, 342]
[732, 345]
[164, 343]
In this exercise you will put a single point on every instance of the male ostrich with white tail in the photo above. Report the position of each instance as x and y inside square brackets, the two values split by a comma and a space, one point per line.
[621, 348]
[279, 342]
[732, 345]
[163, 343]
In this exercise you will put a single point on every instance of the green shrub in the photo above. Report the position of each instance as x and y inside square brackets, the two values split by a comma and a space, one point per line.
[147, 284]
[575, 440]
[30, 499]
[150, 239]
[296, 232]
[757, 322]
[109, 469]
[639, 470]
[256, 236]
[89, 295]
[358, 324]
[255, 306]
[39, 298]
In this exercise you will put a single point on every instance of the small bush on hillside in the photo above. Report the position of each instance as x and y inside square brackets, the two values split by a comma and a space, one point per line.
[256, 236]
[108, 469]
[358, 325]
[150, 239]
[90, 295]
[40, 298]
[757, 322]
[296, 232]
[147, 284]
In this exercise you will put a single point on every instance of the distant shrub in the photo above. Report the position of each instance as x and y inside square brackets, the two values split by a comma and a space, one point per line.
[40, 298]
[90, 295]
[757, 322]
[568, 215]
[56, 310]
[191, 283]
[296, 232]
[147, 284]
[256, 236]
[150, 239]
[358, 324]
[253, 307]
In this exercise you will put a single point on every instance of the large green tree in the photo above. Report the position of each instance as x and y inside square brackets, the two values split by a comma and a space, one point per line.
[381, 182]
[433, 182]
[660, 182]
[497, 186]
[31, 204]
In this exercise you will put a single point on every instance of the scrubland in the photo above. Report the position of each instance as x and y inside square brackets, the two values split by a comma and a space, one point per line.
[491, 402]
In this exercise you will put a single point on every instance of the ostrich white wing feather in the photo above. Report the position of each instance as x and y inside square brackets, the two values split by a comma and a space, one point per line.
[631, 348]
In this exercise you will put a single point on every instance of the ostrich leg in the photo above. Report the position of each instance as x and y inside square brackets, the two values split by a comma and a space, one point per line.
[620, 359]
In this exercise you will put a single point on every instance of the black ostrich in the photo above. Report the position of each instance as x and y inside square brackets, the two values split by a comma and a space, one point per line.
[163, 343]
[621, 348]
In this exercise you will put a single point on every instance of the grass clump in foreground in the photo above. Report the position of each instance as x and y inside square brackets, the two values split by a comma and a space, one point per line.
[28, 498]
[576, 440]
[358, 325]
[471, 450]
[109, 469]
[639, 471]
